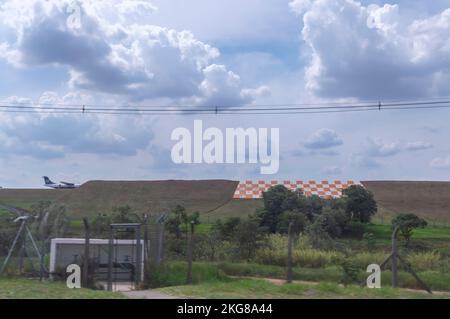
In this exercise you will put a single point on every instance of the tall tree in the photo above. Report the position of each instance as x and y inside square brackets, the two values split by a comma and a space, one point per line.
[407, 223]
[360, 203]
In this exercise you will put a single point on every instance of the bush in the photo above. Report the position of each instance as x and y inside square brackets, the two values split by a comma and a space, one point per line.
[302, 255]
[425, 261]
[370, 240]
[350, 271]
[354, 229]
[364, 259]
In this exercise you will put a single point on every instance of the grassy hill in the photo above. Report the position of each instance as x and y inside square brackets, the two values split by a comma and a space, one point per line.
[430, 200]
[214, 198]
[143, 196]
[25, 198]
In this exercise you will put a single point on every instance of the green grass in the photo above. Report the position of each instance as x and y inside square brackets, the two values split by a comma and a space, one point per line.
[434, 279]
[433, 233]
[174, 274]
[22, 288]
[4, 212]
[261, 289]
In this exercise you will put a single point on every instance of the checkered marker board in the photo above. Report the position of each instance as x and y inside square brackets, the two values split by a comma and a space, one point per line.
[326, 189]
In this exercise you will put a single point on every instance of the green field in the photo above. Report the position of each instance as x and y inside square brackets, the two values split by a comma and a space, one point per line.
[434, 233]
[174, 274]
[262, 289]
[23, 288]
[318, 272]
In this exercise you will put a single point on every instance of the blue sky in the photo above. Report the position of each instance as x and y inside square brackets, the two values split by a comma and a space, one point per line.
[174, 52]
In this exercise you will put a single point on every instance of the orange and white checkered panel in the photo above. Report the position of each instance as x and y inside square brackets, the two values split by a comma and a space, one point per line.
[326, 189]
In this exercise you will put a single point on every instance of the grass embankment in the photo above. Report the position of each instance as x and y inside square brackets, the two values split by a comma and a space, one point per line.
[23, 288]
[217, 281]
[261, 289]
[174, 274]
[432, 233]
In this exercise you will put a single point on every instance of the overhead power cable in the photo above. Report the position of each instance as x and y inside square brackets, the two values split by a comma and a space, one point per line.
[217, 110]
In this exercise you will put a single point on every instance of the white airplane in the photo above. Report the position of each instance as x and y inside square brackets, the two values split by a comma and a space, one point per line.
[60, 185]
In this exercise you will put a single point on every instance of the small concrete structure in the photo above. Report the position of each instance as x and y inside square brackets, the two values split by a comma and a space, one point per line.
[66, 251]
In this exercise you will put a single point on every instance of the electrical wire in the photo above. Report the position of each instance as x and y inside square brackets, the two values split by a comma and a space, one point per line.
[280, 109]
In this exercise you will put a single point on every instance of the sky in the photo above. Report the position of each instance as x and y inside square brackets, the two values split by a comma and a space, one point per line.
[226, 53]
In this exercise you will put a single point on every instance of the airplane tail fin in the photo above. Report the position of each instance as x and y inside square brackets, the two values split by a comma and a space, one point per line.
[47, 180]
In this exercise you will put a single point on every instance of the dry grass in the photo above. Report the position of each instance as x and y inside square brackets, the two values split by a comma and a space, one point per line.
[143, 196]
[430, 200]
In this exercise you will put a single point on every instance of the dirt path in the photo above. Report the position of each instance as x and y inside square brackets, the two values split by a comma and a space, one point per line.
[148, 294]
[277, 281]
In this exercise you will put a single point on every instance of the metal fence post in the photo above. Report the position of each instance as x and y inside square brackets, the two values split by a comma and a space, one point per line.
[110, 258]
[289, 259]
[394, 258]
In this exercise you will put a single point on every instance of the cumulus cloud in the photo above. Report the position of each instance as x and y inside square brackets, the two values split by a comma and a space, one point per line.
[114, 50]
[300, 6]
[222, 87]
[378, 148]
[323, 139]
[373, 51]
[49, 135]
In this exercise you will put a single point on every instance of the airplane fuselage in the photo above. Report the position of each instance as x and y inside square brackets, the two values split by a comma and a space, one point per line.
[61, 186]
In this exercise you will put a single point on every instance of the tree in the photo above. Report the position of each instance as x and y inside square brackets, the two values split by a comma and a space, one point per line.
[299, 220]
[100, 225]
[360, 203]
[317, 235]
[314, 205]
[407, 223]
[124, 214]
[276, 200]
[249, 237]
[227, 229]
[178, 217]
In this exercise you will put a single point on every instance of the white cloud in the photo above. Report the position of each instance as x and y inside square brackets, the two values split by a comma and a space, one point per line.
[116, 51]
[373, 52]
[222, 87]
[378, 148]
[300, 6]
[49, 135]
[322, 139]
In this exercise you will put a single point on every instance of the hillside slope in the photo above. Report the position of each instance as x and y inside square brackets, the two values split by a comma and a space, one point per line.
[429, 200]
[25, 198]
[148, 196]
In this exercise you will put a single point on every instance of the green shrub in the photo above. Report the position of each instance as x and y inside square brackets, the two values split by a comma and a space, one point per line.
[350, 272]
[354, 230]
[276, 254]
[425, 261]
[364, 259]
